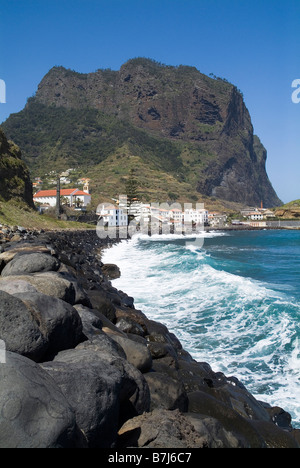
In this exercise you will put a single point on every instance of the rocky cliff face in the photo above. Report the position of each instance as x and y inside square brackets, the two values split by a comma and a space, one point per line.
[206, 117]
[14, 175]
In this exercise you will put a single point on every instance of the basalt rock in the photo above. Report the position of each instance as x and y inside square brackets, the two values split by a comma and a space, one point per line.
[34, 411]
[93, 389]
[51, 284]
[111, 379]
[38, 326]
[31, 263]
[19, 331]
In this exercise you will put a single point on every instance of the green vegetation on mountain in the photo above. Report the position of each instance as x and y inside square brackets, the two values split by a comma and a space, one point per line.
[291, 205]
[105, 149]
[82, 138]
[14, 176]
[16, 203]
[289, 210]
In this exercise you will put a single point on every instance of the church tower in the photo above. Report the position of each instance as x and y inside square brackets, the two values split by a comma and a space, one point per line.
[86, 186]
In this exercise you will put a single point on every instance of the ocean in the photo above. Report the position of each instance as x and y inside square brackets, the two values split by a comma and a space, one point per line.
[232, 298]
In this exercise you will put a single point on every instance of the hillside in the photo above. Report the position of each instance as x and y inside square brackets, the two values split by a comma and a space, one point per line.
[16, 203]
[185, 134]
[14, 213]
[14, 175]
[290, 210]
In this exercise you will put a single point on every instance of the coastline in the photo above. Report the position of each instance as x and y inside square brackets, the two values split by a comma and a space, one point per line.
[249, 228]
[146, 382]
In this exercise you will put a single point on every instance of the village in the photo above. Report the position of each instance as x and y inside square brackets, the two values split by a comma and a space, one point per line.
[122, 211]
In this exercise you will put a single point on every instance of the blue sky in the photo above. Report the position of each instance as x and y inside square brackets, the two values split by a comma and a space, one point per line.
[254, 44]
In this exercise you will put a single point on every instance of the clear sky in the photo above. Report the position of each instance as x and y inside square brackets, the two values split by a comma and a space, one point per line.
[253, 44]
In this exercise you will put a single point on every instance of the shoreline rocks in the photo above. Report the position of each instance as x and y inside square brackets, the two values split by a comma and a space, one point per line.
[105, 374]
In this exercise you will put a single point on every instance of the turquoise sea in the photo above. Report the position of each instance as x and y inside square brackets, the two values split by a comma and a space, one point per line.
[233, 302]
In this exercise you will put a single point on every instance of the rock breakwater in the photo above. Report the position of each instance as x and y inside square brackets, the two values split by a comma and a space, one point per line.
[84, 369]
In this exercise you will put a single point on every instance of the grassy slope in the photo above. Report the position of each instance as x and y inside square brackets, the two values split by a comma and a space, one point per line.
[292, 204]
[290, 210]
[12, 214]
[108, 180]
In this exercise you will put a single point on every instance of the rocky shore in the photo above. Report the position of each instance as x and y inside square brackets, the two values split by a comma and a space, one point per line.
[82, 368]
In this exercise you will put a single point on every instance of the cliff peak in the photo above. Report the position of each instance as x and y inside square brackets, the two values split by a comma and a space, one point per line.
[203, 122]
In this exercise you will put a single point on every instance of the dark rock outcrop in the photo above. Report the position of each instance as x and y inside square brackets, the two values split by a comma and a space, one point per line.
[20, 333]
[36, 325]
[34, 412]
[14, 175]
[94, 389]
[31, 263]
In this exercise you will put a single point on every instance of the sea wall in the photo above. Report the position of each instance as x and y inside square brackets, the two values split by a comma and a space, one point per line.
[83, 368]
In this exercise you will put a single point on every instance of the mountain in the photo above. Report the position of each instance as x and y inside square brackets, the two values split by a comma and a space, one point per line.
[14, 175]
[185, 134]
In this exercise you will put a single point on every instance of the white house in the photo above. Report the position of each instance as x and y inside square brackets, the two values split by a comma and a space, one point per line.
[145, 213]
[256, 216]
[74, 197]
[112, 216]
[176, 215]
[216, 219]
[196, 216]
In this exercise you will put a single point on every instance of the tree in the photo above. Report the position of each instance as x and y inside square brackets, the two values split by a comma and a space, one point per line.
[64, 201]
[131, 186]
[79, 203]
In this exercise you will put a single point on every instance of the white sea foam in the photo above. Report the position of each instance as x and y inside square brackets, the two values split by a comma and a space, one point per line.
[240, 326]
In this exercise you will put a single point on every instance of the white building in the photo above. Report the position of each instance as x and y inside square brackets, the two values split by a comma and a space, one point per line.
[112, 216]
[216, 219]
[74, 197]
[176, 216]
[196, 216]
[256, 216]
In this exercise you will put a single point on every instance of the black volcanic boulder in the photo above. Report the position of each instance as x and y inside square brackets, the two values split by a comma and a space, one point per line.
[166, 393]
[38, 326]
[34, 413]
[49, 283]
[111, 271]
[19, 330]
[137, 353]
[93, 388]
[21, 249]
[58, 320]
[31, 263]
[161, 429]
[100, 302]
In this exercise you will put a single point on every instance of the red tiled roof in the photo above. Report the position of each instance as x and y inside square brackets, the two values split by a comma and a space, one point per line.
[80, 192]
[63, 193]
[45, 193]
